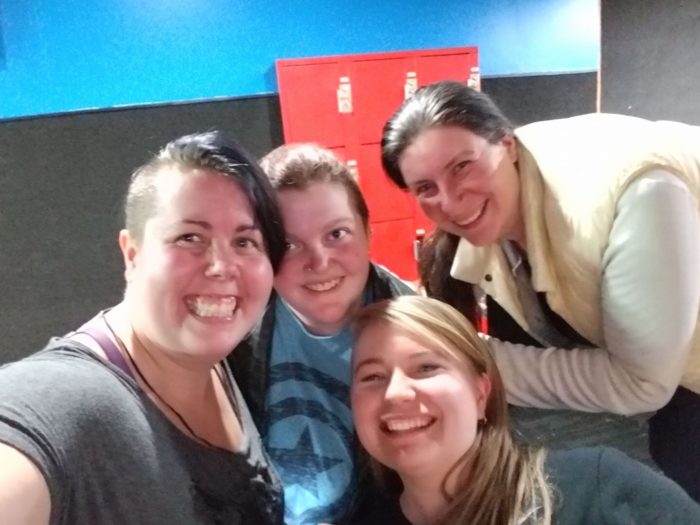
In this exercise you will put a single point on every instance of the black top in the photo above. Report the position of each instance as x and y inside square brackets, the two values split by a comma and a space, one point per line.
[592, 486]
[110, 456]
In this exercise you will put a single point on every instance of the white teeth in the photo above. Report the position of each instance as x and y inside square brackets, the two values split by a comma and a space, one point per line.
[404, 425]
[325, 286]
[213, 307]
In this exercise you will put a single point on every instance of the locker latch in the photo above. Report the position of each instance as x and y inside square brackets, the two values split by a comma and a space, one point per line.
[354, 171]
[474, 80]
[344, 95]
[410, 86]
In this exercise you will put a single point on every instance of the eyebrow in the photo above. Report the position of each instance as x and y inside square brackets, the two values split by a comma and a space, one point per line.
[467, 151]
[368, 361]
[377, 361]
[208, 226]
[339, 221]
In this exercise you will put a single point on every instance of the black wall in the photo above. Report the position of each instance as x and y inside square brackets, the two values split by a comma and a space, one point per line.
[62, 178]
[650, 65]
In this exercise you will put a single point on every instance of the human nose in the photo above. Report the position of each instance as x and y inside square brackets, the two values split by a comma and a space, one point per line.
[400, 388]
[221, 263]
[318, 258]
[450, 201]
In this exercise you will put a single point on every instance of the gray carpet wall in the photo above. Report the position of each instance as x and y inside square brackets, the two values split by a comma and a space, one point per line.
[62, 178]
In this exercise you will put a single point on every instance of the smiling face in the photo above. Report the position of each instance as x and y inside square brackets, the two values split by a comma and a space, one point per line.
[465, 184]
[325, 270]
[200, 278]
[415, 406]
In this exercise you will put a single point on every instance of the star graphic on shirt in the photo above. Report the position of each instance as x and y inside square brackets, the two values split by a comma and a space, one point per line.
[301, 464]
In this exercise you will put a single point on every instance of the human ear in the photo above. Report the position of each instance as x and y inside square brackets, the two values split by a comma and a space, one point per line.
[482, 386]
[129, 249]
[511, 145]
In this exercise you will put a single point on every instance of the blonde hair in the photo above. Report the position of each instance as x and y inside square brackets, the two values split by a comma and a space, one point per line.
[499, 482]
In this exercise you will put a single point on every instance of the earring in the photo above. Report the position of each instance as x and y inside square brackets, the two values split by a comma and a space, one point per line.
[481, 424]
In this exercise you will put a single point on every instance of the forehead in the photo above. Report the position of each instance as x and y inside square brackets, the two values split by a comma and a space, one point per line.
[312, 208]
[199, 192]
[387, 341]
[434, 148]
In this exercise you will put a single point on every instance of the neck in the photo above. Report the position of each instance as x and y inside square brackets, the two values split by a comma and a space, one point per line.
[180, 380]
[326, 328]
[423, 500]
[517, 233]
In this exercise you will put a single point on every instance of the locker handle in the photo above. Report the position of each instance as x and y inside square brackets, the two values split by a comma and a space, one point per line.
[344, 94]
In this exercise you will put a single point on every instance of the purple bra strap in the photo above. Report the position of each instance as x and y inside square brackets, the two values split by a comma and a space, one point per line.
[110, 349]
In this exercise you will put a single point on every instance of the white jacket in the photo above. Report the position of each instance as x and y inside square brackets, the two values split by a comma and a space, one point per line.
[613, 238]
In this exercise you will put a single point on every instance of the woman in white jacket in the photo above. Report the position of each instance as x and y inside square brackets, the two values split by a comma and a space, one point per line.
[585, 233]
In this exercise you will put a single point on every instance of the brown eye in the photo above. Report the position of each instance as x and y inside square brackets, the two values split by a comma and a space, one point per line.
[338, 233]
[423, 189]
[189, 239]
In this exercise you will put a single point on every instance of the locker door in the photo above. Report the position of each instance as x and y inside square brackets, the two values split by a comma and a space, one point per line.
[309, 103]
[445, 66]
[386, 202]
[378, 91]
[391, 245]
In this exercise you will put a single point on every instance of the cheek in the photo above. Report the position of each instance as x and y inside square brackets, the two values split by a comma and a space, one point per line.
[163, 272]
[355, 257]
[431, 210]
[362, 408]
[259, 277]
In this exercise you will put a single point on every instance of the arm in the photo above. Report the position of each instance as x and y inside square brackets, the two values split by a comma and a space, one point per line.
[24, 494]
[630, 492]
[649, 301]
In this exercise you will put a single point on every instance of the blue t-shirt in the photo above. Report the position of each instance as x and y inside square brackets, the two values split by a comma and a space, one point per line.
[309, 421]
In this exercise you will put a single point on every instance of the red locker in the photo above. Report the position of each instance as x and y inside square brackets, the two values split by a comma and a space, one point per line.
[342, 103]
[310, 105]
[386, 202]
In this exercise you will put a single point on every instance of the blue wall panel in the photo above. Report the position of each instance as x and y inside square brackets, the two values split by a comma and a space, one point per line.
[77, 54]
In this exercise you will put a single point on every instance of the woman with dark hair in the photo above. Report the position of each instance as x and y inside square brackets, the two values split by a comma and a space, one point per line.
[585, 234]
[136, 417]
[430, 408]
[294, 370]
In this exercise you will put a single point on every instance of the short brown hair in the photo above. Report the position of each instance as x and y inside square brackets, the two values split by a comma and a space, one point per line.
[297, 166]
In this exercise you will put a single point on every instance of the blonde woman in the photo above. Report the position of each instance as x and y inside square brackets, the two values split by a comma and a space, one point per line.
[430, 408]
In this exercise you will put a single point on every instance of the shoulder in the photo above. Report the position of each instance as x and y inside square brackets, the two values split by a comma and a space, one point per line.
[60, 389]
[61, 365]
[384, 284]
[604, 485]
[56, 404]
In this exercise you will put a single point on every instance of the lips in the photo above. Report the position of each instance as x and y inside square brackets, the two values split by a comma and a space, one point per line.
[472, 219]
[212, 306]
[398, 425]
[324, 286]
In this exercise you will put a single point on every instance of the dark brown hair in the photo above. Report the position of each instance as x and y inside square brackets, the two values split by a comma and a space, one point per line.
[435, 105]
[213, 151]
